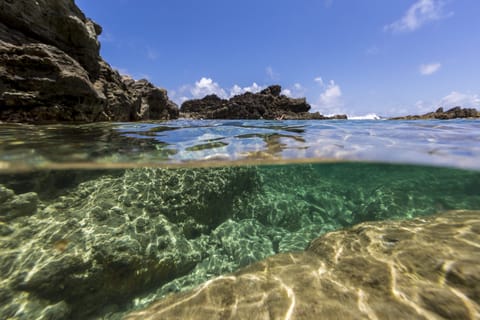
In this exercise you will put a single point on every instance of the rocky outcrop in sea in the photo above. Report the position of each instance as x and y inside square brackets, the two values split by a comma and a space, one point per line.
[267, 104]
[51, 70]
[440, 114]
[419, 269]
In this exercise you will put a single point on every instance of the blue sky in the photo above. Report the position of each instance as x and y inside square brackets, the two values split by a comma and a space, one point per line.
[346, 56]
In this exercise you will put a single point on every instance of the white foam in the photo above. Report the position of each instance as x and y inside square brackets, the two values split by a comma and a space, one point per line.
[369, 116]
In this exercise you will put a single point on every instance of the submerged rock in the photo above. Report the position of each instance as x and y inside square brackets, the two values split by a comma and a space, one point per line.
[110, 238]
[416, 269]
[13, 206]
[453, 113]
[51, 70]
[267, 104]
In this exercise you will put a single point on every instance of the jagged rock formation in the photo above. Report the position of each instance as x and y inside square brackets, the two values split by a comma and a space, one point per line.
[419, 269]
[51, 70]
[453, 113]
[267, 104]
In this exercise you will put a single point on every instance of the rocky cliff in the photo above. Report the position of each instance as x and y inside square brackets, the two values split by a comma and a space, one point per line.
[51, 69]
[267, 104]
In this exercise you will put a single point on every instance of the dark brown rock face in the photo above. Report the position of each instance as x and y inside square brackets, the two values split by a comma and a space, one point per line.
[426, 268]
[267, 104]
[51, 70]
[457, 112]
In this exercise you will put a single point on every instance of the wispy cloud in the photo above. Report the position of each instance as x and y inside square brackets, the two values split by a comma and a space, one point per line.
[106, 37]
[453, 99]
[372, 51]
[465, 100]
[295, 91]
[420, 13]
[327, 3]
[272, 75]
[319, 80]
[152, 54]
[135, 76]
[428, 69]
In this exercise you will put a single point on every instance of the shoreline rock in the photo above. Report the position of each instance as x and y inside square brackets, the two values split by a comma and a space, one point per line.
[267, 104]
[51, 70]
[440, 114]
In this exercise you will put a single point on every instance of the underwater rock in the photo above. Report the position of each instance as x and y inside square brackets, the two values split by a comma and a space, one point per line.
[51, 70]
[49, 184]
[414, 269]
[453, 113]
[13, 206]
[267, 104]
[111, 238]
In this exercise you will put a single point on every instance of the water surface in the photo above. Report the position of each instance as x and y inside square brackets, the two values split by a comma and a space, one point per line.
[434, 142]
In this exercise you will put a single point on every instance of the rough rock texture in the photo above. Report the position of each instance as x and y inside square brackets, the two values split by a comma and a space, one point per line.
[109, 239]
[129, 237]
[425, 268]
[454, 113]
[51, 70]
[267, 104]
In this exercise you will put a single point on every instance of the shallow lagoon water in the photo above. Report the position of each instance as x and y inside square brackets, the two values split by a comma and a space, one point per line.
[100, 219]
[209, 142]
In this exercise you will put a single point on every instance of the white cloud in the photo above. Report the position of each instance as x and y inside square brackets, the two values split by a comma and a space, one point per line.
[465, 100]
[331, 95]
[206, 86]
[418, 14]
[330, 100]
[319, 80]
[236, 89]
[428, 69]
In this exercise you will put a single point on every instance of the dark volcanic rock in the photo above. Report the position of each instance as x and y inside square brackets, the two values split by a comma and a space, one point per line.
[457, 112]
[267, 104]
[51, 70]
[419, 269]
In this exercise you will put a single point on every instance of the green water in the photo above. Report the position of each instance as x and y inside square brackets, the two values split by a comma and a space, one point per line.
[97, 243]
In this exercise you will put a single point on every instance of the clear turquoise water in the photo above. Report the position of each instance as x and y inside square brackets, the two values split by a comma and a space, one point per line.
[448, 143]
[95, 221]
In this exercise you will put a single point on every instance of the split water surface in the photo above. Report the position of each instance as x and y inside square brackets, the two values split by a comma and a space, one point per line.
[98, 220]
